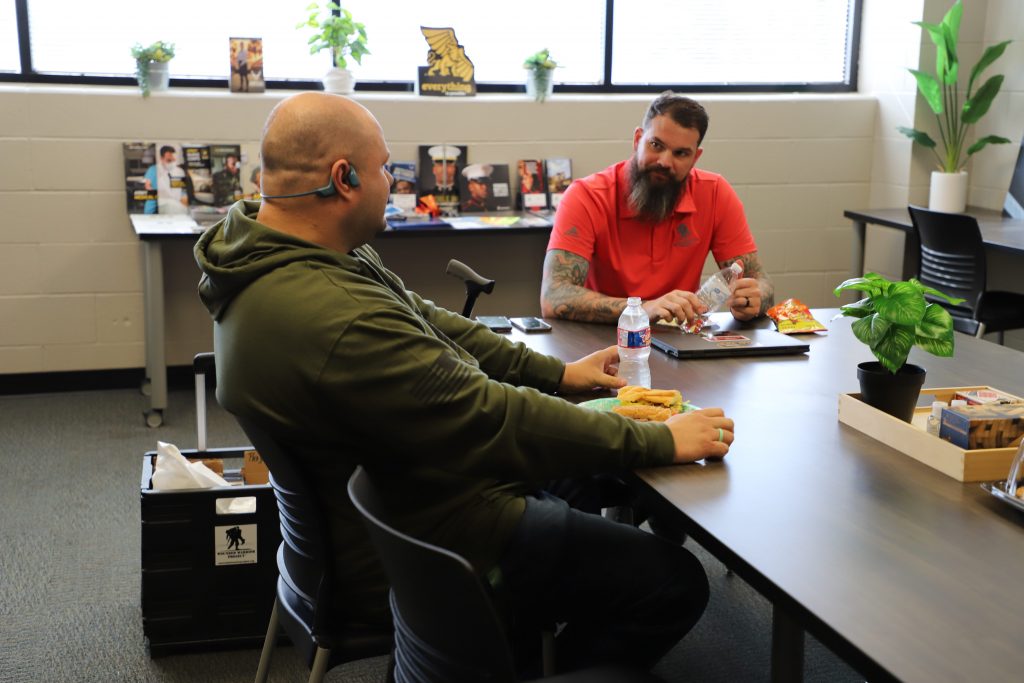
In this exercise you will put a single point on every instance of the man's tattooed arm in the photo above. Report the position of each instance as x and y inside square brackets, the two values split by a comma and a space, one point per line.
[562, 294]
[752, 268]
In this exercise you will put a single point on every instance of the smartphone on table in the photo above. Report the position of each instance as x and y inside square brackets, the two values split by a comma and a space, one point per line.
[530, 324]
[496, 323]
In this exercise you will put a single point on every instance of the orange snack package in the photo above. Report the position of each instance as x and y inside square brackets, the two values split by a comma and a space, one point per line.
[793, 317]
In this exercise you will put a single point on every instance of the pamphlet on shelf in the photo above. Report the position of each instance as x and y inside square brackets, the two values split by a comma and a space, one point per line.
[226, 164]
[531, 190]
[484, 187]
[199, 181]
[559, 173]
[440, 166]
[139, 157]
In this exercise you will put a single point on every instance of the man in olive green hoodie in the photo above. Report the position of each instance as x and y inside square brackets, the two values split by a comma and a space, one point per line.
[324, 346]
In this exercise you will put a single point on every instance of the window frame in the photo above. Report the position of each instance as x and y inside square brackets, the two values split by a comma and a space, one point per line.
[28, 75]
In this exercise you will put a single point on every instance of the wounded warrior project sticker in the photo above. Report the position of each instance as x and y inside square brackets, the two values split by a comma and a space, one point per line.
[234, 544]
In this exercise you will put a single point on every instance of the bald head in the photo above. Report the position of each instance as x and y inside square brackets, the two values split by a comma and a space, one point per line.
[306, 133]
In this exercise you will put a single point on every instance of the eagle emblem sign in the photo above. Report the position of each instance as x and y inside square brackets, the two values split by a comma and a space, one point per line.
[449, 72]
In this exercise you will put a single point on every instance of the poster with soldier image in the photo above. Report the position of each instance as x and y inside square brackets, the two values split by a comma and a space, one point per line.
[226, 163]
[439, 170]
[246, 74]
[484, 187]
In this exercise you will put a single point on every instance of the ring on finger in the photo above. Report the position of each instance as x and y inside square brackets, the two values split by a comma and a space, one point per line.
[721, 435]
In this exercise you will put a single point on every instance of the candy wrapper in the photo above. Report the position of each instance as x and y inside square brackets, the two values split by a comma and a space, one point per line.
[793, 317]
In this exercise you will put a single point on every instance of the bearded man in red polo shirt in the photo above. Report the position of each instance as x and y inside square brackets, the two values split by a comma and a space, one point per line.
[644, 227]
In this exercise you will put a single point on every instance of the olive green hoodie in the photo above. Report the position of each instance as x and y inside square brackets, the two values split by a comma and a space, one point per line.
[334, 356]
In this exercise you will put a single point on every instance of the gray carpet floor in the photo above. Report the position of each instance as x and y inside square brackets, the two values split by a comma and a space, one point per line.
[70, 468]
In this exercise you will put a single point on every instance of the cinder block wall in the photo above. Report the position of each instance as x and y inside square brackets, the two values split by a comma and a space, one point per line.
[70, 266]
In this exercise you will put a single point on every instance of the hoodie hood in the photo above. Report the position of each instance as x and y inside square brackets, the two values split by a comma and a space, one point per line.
[238, 250]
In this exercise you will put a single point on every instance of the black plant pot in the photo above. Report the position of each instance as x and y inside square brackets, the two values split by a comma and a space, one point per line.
[894, 394]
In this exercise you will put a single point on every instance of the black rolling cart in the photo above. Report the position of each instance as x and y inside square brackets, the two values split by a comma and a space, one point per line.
[208, 577]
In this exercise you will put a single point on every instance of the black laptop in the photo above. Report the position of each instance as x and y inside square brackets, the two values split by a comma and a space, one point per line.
[725, 339]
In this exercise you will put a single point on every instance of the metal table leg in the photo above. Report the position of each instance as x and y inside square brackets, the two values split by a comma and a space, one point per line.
[155, 382]
[860, 230]
[787, 648]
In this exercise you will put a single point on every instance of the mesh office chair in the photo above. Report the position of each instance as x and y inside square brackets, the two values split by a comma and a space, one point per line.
[304, 588]
[953, 261]
[446, 627]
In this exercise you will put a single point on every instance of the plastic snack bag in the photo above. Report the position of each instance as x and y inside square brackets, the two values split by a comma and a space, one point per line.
[793, 317]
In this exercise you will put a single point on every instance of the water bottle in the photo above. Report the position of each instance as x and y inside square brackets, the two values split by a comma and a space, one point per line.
[715, 290]
[935, 418]
[634, 344]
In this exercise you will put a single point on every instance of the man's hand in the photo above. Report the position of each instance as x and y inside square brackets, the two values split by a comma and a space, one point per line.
[745, 302]
[752, 294]
[696, 434]
[598, 370]
[677, 304]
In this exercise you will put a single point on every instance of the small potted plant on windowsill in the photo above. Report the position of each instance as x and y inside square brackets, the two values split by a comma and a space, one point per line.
[954, 117]
[335, 30]
[891, 319]
[540, 81]
[152, 70]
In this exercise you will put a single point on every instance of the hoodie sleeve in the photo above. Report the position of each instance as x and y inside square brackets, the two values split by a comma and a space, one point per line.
[454, 417]
[500, 358]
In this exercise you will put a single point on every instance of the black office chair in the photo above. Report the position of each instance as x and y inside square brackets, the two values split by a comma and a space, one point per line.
[304, 605]
[446, 627]
[953, 261]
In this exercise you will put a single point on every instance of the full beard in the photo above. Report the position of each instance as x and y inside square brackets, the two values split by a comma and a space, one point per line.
[652, 200]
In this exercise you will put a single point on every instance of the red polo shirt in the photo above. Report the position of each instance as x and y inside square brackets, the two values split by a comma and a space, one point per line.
[630, 256]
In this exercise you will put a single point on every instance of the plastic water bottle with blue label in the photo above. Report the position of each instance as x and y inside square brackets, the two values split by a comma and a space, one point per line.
[634, 340]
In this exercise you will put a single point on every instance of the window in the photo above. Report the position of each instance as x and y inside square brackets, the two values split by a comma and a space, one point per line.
[730, 41]
[9, 58]
[497, 44]
[685, 44]
[200, 30]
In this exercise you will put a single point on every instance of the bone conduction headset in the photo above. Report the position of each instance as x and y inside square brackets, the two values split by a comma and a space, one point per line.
[325, 191]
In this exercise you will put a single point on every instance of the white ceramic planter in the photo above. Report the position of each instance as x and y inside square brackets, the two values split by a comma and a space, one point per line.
[339, 81]
[159, 76]
[948, 192]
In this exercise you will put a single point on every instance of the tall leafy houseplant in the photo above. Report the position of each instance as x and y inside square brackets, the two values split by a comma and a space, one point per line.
[158, 53]
[541, 68]
[955, 110]
[336, 31]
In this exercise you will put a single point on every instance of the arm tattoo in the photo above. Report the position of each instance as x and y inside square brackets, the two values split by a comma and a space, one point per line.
[752, 268]
[563, 295]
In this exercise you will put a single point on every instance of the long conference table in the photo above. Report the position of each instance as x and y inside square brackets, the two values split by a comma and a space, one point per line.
[905, 573]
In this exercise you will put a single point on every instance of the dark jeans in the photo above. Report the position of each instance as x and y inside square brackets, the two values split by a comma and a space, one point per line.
[626, 597]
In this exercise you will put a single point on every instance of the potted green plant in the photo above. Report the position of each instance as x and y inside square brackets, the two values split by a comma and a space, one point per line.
[892, 318]
[335, 30]
[540, 81]
[955, 109]
[151, 65]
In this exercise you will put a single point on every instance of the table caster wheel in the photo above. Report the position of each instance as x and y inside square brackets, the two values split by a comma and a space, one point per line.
[154, 418]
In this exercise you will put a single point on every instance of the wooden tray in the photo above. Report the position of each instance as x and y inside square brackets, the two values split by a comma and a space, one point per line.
[982, 464]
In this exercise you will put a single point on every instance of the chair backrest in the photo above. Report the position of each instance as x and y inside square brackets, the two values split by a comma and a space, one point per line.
[446, 628]
[304, 558]
[952, 255]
